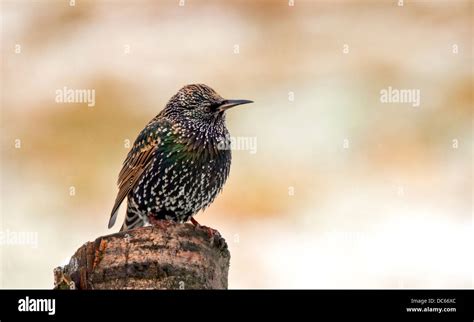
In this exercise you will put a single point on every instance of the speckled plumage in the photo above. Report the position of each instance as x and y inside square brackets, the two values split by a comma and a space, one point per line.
[177, 165]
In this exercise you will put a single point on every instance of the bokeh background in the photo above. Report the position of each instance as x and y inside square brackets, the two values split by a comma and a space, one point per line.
[343, 191]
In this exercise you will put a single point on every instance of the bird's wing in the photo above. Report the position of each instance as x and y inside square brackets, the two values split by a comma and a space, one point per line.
[138, 160]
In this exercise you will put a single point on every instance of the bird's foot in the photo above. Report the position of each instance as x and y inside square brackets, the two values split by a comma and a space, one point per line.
[160, 223]
[211, 233]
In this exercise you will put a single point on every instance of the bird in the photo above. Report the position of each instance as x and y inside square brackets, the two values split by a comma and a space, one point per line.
[179, 162]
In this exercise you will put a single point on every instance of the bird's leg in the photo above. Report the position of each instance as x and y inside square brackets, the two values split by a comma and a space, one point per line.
[194, 222]
[210, 232]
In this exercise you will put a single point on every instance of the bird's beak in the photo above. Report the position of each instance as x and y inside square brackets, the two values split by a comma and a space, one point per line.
[226, 104]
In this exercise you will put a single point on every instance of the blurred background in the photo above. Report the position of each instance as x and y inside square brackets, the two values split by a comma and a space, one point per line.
[343, 190]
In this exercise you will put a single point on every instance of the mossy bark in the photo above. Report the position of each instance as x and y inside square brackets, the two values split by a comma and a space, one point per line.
[175, 256]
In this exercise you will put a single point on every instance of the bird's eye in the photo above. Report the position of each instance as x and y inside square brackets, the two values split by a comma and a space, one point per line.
[212, 107]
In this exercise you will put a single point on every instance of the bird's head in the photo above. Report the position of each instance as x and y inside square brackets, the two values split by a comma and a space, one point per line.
[200, 103]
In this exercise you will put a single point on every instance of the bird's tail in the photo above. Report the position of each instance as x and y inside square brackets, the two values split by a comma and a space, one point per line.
[133, 219]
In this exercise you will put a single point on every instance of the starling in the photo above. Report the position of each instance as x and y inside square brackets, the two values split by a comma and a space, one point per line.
[179, 161]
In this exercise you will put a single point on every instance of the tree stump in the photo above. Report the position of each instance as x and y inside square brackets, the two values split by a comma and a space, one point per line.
[171, 256]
